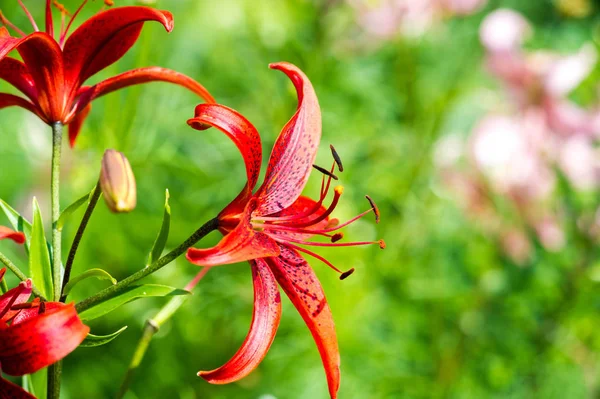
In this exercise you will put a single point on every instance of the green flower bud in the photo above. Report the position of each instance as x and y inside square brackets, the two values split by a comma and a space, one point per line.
[117, 182]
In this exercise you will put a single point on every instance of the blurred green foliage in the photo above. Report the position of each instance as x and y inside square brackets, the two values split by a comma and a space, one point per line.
[440, 313]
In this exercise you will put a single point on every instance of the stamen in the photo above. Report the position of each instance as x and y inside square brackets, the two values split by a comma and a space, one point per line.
[314, 255]
[336, 198]
[346, 274]
[49, 22]
[337, 236]
[66, 32]
[325, 172]
[381, 243]
[35, 27]
[374, 207]
[278, 227]
[9, 24]
[337, 158]
[2, 272]
[22, 306]
[42, 308]
[109, 3]
[333, 222]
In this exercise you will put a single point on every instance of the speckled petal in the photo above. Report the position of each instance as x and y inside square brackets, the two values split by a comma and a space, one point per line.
[104, 38]
[8, 390]
[40, 341]
[241, 244]
[7, 299]
[295, 150]
[243, 134]
[265, 320]
[303, 288]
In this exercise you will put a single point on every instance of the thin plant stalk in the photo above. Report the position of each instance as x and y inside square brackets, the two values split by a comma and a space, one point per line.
[77, 239]
[20, 275]
[54, 371]
[152, 326]
[122, 285]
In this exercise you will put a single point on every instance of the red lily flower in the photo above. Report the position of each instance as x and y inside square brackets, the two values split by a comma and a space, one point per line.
[267, 227]
[53, 71]
[33, 335]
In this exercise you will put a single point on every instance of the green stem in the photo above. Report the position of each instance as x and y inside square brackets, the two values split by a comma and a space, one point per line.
[121, 286]
[84, 222]
[20, 275]
[151, 328]
[54, 371]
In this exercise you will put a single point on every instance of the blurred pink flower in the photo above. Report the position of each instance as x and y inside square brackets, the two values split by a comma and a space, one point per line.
[385, 19]
[541, 78]
[508, 152]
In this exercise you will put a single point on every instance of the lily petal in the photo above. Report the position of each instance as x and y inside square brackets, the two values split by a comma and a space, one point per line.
[76, 123]
[23, 292]
[302, 286]
[11, 391]
[139, 76]
[10, 100]
[265, 320]
[15, 73]
[295, 150]
[40, 341]
[106, 37]
[43, 54]
[246, 138]
[16, 236]
[241, 244]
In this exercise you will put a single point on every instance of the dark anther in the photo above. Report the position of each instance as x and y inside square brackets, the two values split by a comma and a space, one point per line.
[325, 172]
[374, 206]
[337, 236]
[346, 274]
[381, 244]
[337, 158]
[42, 308]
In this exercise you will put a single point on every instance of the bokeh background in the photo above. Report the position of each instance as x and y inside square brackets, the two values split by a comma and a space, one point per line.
[479, 146]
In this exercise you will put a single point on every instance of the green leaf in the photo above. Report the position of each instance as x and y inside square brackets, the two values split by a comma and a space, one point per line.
[163, 234]
[97, 273]
[71, 209]
[40, 268]
[132, 293]
[17, 221]
[97, 340]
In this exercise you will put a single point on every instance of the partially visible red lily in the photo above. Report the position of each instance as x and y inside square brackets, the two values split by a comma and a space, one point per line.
[33, 335]
[269, 227]
[16, 236]
[54, 69]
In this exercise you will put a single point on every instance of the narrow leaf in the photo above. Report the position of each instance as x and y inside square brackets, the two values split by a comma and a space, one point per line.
[18, 222]
[71, 209]
[163, 234]
[40, 268]
[132, 293]
[97, 273]
[97, 340]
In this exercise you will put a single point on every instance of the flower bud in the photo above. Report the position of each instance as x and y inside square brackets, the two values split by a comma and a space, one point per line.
[117, 182]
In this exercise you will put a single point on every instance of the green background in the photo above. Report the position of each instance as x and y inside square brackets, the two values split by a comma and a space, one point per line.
[442, 312]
